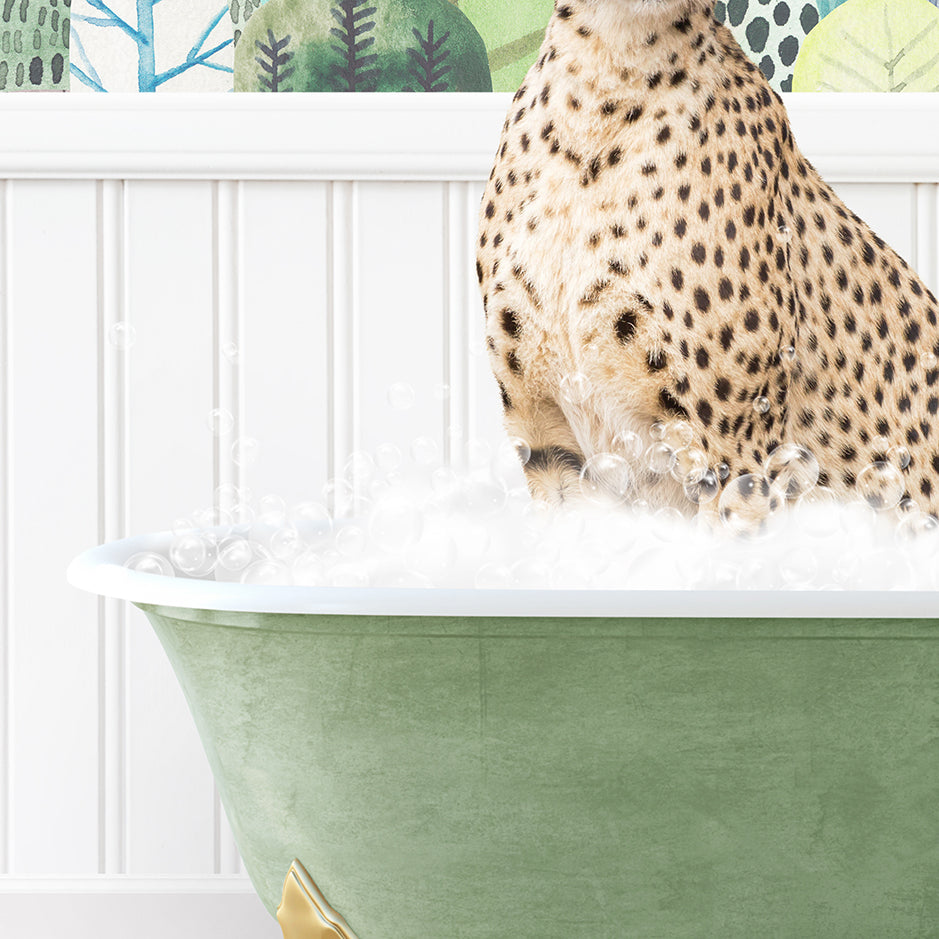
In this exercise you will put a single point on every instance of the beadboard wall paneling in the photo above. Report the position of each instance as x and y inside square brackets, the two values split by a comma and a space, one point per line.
[288, 277]
[401, 306]
[52, 473]
[170, 458]
[282, 321]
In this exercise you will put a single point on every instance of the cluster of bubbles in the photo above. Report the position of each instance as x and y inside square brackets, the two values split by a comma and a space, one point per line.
[394, 519]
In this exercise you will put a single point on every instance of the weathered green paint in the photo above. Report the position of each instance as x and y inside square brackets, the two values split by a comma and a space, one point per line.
[548, 778]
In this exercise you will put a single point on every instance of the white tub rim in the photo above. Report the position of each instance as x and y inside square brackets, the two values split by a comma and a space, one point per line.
[101, 570]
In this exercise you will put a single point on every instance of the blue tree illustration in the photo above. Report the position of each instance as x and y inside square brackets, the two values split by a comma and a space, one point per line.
[148, 79]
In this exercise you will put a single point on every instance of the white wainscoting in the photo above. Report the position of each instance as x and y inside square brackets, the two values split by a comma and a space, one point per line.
[330, 238]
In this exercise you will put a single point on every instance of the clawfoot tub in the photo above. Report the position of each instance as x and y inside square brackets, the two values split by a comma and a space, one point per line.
[425, 764]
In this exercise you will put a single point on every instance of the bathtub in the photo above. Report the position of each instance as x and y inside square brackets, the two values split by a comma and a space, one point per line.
[424, 764]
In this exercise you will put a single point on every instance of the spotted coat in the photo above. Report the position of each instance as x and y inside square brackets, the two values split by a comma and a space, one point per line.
[651, 227]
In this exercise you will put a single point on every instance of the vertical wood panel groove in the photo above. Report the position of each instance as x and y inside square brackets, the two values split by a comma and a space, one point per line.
[457, 216]
[926, 232]
[113, 415]
[6, 521]
[343, 322]
[227, 236]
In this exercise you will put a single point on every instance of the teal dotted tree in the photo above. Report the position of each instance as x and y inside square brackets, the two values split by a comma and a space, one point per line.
[34, 40]
[362, 45]
[771, 32]
[241, 11]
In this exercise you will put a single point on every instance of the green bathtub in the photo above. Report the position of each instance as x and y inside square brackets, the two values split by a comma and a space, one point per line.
[741, 765]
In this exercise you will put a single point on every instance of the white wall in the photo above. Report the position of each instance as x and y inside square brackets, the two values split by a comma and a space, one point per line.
[332, 241]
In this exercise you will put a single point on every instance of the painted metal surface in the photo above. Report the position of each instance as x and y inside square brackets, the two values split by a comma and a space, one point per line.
[546, 777]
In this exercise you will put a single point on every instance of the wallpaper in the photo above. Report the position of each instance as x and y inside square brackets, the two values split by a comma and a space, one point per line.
[421, 45]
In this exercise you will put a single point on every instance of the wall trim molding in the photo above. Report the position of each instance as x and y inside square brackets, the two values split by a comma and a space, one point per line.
[850, 137]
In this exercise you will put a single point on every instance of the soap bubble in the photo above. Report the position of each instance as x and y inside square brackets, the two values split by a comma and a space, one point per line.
[479, 452]
[723, 471]
[757, 573]
[347, 576]
[235, 554]
[226, 495]
[881, 485]
[784, 234]
[511, 456]
[787, 354]
[308, 570]
[747, 504]
[678, 434]
[575, 388]
[880, 444]
[220, 422]
[272, 509]
[242, 513]
[628, 444]
[761, 405]
[286, 543]
[689, 461]
[122, 336]
[819, 512]
[701, 487]
[930, 361]
[798, 567]
[339, 496]
[657, 430]
[192, 554]
[917, 525]
[605, 478]
[857, 519]
[401, 396]
[245, 451]
[900, 457]
[232, 353]
[359, 468]
[441, 392]
[425, 451]
[435, 553]
[388, 457]
[313, 523]
[351, 541]
[149, 562]
[493, 577]
[529, 574]
[792, 469]
[660, 458]
[402, 580]
[483, 498]
[183, 525]
[395, 525]
[266, 573]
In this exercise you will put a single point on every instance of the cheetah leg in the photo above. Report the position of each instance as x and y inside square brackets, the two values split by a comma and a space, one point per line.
[553, 470]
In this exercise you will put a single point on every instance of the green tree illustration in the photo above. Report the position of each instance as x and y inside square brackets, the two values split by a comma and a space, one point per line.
[274, 59]
[355, 71]
[428, 68]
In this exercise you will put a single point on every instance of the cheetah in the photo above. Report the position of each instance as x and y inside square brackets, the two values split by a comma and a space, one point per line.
[653, 246]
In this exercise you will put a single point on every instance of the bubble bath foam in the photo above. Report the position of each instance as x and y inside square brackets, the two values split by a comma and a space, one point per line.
[444, 765]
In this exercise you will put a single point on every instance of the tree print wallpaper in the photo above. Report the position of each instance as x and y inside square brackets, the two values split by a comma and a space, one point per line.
[277, 46]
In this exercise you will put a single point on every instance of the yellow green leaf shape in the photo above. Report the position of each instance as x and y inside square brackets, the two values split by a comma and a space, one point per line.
[513, 33]
[872, 45]
[360, 45]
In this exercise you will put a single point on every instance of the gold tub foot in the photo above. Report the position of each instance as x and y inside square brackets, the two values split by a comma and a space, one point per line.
[304, 913]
